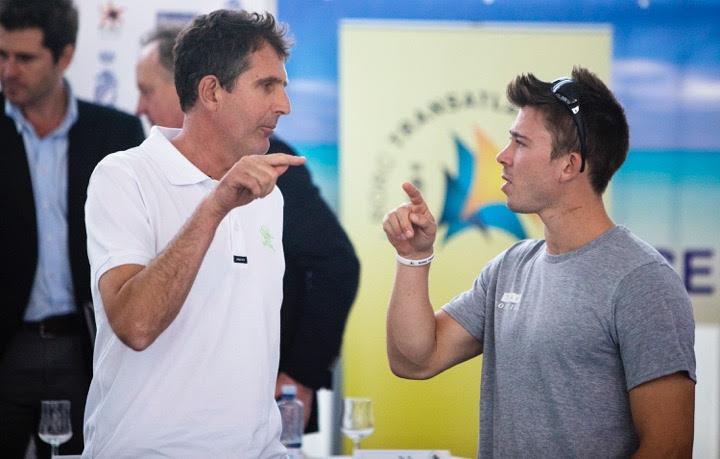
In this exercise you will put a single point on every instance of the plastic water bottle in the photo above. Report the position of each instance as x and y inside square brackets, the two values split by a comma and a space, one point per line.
[293, 420]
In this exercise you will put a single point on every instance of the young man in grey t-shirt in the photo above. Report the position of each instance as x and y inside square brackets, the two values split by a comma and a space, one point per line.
[587, 335]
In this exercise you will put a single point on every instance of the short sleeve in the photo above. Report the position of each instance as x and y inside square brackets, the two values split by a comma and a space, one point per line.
[118, 228]
[654, 325]
[468, 308]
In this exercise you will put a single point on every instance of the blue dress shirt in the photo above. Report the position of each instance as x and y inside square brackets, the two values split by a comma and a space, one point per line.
[52, 291]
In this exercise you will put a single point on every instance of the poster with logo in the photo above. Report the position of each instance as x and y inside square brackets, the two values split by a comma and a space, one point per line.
[425, 103]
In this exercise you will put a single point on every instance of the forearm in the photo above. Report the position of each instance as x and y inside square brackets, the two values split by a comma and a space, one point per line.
[147, 303]
[679, 451]
[411, 326]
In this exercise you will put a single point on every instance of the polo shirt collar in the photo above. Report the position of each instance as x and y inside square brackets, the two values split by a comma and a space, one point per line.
[178, 170]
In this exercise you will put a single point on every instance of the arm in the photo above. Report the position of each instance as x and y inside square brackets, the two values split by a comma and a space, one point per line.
[662, 411]
[142, 301]
[420, 343]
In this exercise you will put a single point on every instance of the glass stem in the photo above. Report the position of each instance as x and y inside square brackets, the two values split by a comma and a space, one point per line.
[356, 445]
[53, 451]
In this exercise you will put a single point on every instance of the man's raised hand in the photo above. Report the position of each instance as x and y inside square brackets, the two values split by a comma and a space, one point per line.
[250, 178]
[411, 227]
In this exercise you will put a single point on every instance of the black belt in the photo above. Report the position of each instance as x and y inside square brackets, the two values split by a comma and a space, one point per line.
[50, 327]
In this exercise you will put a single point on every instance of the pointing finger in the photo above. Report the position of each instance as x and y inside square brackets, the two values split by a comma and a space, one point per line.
[413, 193]
[283, 159]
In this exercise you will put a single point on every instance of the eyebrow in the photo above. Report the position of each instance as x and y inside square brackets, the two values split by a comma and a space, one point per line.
[517, 135]
[272, 79]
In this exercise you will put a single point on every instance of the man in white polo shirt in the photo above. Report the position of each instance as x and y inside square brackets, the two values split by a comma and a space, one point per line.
[184, 240]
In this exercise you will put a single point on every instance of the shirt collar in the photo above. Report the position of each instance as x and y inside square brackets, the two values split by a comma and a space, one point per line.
[22, 125]
[175, 166]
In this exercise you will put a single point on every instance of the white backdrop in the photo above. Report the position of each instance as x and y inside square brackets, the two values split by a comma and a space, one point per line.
[108, 45]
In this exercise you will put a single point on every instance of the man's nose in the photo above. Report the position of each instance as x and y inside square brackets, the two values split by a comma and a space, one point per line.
[141, 108]
[9, 68]
[503, 156]
[283, 104]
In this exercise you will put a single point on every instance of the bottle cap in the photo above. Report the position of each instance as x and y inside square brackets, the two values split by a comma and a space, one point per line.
[288, 389]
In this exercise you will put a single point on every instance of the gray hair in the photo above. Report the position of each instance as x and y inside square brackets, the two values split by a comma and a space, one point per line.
[165, 37]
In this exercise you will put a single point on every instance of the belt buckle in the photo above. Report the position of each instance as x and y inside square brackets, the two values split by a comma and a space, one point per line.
[44, 333]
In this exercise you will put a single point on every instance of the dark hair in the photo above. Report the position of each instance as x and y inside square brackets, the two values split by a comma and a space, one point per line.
[220, 44]
[606, 128]
[57, 19]
[165, 37]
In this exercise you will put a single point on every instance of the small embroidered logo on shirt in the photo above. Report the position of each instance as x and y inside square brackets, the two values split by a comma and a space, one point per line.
[509, 301]
[267, 238]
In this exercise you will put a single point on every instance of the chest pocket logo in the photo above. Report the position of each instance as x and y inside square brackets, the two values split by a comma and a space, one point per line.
[267, 237]
[510, 301]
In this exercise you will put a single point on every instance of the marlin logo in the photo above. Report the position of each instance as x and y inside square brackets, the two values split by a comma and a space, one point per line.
[267, 237]
[473, 196]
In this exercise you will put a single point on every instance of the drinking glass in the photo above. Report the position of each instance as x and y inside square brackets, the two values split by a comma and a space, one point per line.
[357, 419]
[55, 427]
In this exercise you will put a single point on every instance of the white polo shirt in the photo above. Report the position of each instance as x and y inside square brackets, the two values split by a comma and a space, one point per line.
[205, 387]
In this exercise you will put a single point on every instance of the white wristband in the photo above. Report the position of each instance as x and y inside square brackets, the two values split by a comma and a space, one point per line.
[409, 262]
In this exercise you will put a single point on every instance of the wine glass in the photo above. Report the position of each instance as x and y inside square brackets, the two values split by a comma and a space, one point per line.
[357, 419]
[55, 427]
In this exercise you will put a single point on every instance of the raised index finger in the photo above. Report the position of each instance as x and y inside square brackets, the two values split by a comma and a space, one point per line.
[414, 194]
[283, 159]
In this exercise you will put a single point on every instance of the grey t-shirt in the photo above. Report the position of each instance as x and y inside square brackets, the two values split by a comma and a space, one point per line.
[566, 337]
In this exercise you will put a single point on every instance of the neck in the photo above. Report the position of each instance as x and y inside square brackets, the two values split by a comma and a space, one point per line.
[575, 225]
[204, 148]
[46, 114]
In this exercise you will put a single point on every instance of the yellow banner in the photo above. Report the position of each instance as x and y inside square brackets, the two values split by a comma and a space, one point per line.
[425, 103]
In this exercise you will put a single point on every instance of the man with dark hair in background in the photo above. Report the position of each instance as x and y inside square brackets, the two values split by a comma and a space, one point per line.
[587, 336]
[186, 255]
[321, 269]
[50, 144]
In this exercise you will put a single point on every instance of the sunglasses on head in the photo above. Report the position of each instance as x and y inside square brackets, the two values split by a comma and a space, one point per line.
[566, 91]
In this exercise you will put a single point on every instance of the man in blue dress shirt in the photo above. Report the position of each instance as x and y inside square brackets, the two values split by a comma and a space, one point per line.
[51, 142]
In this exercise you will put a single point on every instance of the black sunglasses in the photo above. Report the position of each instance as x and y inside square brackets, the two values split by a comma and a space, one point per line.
[566, 91]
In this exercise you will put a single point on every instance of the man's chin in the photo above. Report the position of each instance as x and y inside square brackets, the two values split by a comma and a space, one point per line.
[519, 208]
[259, 148]
[15, 97]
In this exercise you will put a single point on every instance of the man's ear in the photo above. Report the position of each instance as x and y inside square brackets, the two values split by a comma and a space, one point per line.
[571, 164]
[66, 57]
[209, 90]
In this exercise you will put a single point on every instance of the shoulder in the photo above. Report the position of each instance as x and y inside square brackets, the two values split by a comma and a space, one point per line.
[510, 260]
[92, 109]
[521, 251]
[621, 251]
[125, 161]
[643, 272]
[93, 114]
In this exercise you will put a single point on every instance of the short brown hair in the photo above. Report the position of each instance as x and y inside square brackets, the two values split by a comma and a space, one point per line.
[220, 44]
[57, 19]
